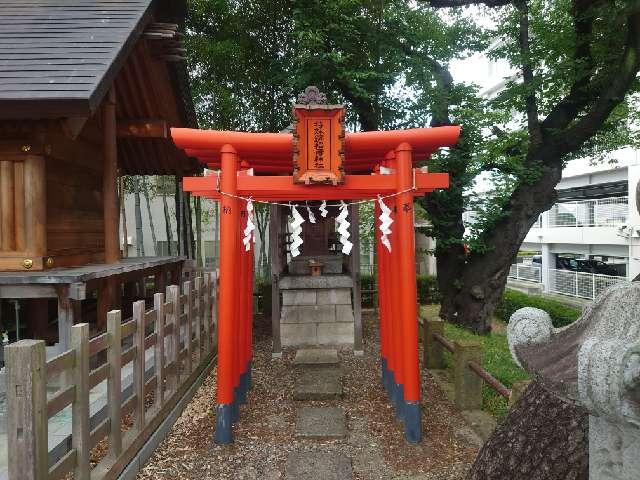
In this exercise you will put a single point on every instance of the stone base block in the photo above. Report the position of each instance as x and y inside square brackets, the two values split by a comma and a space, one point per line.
[318, 384]
[335, 333]
[316, 356]
[293, 334]
[334, 296]
[321, 423]
[308, 314]
[299, 297]
[318, 465]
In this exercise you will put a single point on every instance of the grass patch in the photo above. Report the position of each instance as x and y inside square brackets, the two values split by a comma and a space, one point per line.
[496, 359]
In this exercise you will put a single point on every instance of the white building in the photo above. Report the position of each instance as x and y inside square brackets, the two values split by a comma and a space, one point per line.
[591, 238]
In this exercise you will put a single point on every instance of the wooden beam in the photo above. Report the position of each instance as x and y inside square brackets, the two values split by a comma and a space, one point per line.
[111, 213]
[142, 128]
[282, 188]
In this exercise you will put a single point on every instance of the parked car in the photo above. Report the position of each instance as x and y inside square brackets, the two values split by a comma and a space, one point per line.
[579, 265]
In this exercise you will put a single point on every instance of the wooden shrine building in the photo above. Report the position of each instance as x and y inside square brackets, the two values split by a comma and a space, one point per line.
[88, 91]
[314, 177]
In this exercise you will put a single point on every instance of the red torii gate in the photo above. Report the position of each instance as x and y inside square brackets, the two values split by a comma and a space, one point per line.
[270, 156]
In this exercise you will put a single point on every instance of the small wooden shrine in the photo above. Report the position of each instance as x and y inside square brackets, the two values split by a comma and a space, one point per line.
[311, 174]
[87, 93]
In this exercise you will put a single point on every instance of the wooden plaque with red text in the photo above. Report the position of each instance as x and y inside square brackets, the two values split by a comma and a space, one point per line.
[318, 144]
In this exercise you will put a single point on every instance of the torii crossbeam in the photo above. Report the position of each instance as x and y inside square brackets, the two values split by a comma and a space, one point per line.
[270, 167]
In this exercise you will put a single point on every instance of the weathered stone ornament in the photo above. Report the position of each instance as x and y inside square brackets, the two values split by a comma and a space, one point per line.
[296, 231]
[385, 223]
[594, 362]
[249, 234]
[343, 229]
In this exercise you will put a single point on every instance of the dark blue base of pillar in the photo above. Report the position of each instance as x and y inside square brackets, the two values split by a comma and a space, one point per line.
[398, 401]
[224, 431]
[412, 422]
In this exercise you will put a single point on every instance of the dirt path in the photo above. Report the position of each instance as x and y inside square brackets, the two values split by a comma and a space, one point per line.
[265, 434]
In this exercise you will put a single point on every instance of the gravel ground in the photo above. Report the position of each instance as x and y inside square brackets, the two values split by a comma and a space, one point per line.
[265, 434]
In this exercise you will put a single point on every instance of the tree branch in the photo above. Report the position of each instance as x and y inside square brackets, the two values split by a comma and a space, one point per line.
[464, 3]
[569, 107]
[622, 77]
[533, 124]
[444, 81]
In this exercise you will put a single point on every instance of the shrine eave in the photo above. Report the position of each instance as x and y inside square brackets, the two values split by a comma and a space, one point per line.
[273, 152]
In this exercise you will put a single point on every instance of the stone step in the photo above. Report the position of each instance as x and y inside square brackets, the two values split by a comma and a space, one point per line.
[318, 384]
[316, 356]
[321, 423]
[318, 466]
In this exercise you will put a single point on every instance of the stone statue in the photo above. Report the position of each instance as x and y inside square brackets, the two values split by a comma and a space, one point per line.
[595, 362]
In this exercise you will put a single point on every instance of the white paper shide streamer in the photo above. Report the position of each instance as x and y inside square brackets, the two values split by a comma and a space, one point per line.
[249, 234]
[312, 217]
[385, 223]
[296, 231]
[343, 229]
[323, 209]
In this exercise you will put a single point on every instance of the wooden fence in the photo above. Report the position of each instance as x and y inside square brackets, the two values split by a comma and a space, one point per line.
[468, 373]
[180, 329]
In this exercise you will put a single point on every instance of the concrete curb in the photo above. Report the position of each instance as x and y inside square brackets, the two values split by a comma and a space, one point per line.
[144, 454]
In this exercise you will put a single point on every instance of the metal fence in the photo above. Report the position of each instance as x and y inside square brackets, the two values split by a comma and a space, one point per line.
[580, 284]
[603, 212]
[528, 273]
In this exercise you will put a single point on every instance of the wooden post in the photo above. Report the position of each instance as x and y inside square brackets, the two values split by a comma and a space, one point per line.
[517, 389]
[114, 383]
[138, 364]
[274, 247]
[173, 297]
[27, 421]
[109, 180]
[8, 239]
[189, 328]
[158, 305]
[18, 205]
[80, 425]
[205, 305]
[354, 260]
[229, 263]
[198, 300]
[467, 385]
[35, 200]
[432, 350]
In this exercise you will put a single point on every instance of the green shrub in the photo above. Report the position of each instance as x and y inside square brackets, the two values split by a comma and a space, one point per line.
[560, 313]
[427, 289]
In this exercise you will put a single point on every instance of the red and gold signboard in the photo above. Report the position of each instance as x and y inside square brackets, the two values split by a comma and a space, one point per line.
[318, 151]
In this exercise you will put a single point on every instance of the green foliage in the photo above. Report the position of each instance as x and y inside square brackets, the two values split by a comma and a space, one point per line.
[427, 289]
[561, 315]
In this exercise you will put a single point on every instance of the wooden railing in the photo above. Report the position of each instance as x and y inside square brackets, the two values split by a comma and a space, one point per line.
[180, 329]
[468, 373]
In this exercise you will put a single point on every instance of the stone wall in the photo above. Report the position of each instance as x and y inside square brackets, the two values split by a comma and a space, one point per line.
[316, 311]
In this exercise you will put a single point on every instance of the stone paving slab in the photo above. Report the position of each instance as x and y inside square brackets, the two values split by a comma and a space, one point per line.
[316, 356]
[321, 423]
[318, 384]
[318, 466]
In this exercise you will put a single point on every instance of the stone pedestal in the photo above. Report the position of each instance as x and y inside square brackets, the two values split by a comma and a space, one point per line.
[316, 310]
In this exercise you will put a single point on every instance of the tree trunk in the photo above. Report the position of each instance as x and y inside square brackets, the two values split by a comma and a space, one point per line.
[542, 438]
[139, 232]
[123, 215]
[167, 218]
[152, 226]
